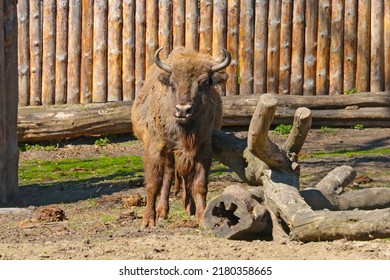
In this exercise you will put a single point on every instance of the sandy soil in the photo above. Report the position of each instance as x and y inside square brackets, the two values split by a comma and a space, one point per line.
[100, 219]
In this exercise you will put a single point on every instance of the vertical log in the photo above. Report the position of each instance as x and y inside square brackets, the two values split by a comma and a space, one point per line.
[246, 46]
[140, 29]
[219, 33]
[205, 26]
[192, 17]
[336, 48]
[285, 47]
[273, 58]
[36, 53]
[324, 10]
[23, 53]
[49, 52]
[61, 51]
[363, 46]
[99, 79]
[165, 27]
[310, 61]
[151, 31]
[350, 28]
[128, 77]
[377, 51]
[387, 44]
[74, 52]
[115, 21]
[9, 154]
[232, 46]
[86, 52]
[178, 28]
[297, 52]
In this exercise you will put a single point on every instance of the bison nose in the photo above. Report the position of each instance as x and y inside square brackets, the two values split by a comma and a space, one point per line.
[183, 111]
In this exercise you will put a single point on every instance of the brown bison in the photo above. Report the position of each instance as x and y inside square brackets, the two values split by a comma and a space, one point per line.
[173, 115]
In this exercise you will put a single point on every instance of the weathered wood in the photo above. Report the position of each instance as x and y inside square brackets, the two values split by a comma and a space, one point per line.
[323, 40]
[336, 48]
[233, 46]
[178, 28]
[99, 79]
[246, 47]
[9, 154]
[363, 51]
[377, 51]
[140, 30]
[114, 48]
[151, 32]
[297, 52]
[165, 27]
[205, 26]
[23, 53]
[310, 59]
[128, 46]
[74, 52]
[61, 51]
[387, 43]
[285, 47]
[350, 43]
[273, 53]
[236, 214]
[35, 53]
[192, 18]
[86, 68]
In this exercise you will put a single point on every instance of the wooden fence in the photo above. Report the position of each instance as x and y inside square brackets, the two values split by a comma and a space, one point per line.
[8, 102]
[73, 51]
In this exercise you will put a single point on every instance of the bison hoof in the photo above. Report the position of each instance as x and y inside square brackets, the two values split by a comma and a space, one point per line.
[162, 213]
[146, 222]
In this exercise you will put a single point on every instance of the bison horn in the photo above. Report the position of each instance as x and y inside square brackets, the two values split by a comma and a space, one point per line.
[161, 64]
[223, 64]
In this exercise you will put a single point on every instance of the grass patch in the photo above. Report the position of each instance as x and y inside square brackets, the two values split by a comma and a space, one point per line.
[113, 168]
[348, 153]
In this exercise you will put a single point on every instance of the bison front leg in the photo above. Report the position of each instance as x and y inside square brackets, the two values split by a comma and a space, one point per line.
[154, 171]
[163, 203]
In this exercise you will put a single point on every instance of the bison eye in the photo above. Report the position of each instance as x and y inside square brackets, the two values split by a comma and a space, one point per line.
[204, 82]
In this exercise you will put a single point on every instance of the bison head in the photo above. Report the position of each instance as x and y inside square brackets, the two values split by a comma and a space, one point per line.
[191, 78]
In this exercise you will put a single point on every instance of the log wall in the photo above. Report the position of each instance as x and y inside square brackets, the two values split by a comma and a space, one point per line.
[99, 51]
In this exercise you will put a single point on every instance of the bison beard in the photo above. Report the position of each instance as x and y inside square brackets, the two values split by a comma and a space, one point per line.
[173, 116]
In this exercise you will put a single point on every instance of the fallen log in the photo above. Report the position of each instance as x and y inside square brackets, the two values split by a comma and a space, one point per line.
[37, 123]
[304, 215]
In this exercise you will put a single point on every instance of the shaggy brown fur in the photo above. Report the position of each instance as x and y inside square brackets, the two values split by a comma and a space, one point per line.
[171, 143]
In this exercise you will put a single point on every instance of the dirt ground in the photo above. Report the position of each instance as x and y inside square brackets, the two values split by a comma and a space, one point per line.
[100, 219]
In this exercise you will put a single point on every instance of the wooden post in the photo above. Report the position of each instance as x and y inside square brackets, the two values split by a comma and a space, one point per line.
[285, 47]
[151, 32]
[363, 51]
[49, 52]
[297, 52]
[387, 44]
[192, 17]
[310, 59]
[322, 78]
[99, 80]
[36, 53]
[23, 52]
[9, 155]
[206, 26]
[232, 46]
[377, 52]
[115, 20]
[350, 25]
[86, 52]
[140, 29]
[178, 28]
[61, 51]
[128, 42]
[336, 48]
[273, 58]
[165, 27]
[246, 46]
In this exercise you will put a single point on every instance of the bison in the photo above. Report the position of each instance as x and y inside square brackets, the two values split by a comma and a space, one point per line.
[173, 115]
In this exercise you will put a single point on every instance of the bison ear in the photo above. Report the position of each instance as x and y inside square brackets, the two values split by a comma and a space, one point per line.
[164, 78]
[219, 77]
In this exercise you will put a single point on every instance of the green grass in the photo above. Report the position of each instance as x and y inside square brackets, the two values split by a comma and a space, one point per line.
[283, 129]
[349, 153]
[113, 168]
